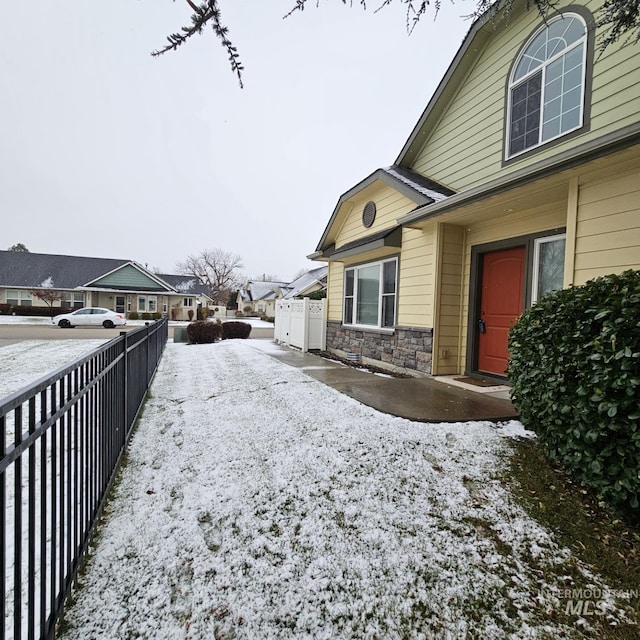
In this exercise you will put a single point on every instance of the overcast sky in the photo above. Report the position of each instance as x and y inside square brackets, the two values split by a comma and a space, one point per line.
[108, 152]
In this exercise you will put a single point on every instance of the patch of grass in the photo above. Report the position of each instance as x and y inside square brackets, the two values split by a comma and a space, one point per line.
[581, 522]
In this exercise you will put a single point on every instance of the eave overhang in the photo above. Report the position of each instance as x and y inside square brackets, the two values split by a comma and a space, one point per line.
[375, 241]
[563, 161]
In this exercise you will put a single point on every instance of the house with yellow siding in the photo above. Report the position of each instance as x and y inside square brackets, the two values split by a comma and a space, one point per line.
[522, 176]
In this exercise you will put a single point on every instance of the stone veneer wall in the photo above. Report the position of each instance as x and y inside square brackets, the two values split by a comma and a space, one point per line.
[405, 348]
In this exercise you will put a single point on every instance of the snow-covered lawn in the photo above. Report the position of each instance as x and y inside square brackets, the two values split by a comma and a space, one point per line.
[258, 503]
[25, 362]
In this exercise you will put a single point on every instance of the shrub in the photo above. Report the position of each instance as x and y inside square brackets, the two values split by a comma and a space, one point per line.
[175, 312]
[204, 332]
[145, 315]
[156, 315]
[203, 313]
[239, 314]
[190, 314]
[235, 329]
[133, 315]
[25, 310]
[575, 374]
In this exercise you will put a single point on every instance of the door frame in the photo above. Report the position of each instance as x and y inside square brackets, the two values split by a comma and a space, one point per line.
[475, 289]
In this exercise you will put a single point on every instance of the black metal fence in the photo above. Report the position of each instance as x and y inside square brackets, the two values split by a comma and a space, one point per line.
[61, 442]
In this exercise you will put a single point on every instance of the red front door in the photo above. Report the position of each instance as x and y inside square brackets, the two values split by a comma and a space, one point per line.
[500, 305]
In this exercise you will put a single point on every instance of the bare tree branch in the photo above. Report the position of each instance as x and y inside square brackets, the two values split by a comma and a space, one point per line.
[218, 270]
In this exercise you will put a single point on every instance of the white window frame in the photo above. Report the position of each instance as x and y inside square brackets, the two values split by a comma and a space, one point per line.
[142, 304]
[21, 296]
[152, 304]
[381, 295]
[537, 243]
[187, 302]
[542, 68]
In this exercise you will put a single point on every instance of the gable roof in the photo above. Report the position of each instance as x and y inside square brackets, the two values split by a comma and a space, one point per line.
[303, 283]
[39, 270]
[418, 188]
[32, 270]
[263, 290]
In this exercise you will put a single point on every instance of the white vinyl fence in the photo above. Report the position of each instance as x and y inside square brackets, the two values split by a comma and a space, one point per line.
[301, 324]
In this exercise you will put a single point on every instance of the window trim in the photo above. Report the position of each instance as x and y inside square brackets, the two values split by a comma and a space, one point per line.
[381, 295]
[587, 18]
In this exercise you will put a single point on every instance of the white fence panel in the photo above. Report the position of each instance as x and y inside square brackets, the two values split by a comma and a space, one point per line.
[301, 324]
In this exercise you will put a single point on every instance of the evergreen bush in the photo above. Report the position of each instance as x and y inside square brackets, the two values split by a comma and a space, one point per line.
[133, 315]
[575, 374]
[235, 329]
[204, 332]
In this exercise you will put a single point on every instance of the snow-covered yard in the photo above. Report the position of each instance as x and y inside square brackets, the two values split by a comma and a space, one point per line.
[258, 503]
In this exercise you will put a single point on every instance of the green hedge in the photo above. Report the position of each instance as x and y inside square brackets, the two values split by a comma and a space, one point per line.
[204, 332]
[575, 374]
[235, 329]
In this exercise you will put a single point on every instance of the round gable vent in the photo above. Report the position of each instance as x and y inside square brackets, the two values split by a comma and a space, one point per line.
[369, 213]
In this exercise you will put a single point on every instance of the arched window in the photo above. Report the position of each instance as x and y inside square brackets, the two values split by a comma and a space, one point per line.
[546, 88]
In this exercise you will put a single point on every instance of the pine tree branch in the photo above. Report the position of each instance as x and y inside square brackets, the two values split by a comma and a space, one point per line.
[205, 13]
[619, 17]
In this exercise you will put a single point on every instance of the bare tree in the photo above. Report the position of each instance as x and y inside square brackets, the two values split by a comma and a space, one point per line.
[218, 270]
[620, 19]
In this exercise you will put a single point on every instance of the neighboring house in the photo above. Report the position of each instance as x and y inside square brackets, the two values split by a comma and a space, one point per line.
[522, 176]
[313, 280]
[260, 296]
[120, 285]
[191, 286]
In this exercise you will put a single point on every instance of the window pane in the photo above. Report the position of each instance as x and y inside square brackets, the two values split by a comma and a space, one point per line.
[557, 52]
[551, 129]
[348, 310]
[525, 116]
[388, 310]
[550, 266]
[389, 277]
[348, 288]
[368, 295]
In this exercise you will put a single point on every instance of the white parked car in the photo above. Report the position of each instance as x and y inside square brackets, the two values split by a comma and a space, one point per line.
[90, 316]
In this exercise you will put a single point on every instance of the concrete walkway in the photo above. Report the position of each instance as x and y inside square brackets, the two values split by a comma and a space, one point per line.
[421, 399]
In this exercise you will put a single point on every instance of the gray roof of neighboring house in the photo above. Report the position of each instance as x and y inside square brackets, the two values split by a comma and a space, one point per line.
[25, 269]
[185, 284]
[304, 282]
[43, 270]
[264, 290]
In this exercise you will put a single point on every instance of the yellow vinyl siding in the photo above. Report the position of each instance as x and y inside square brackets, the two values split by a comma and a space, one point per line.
[335, 288]
[390, 205]
[448, 322]
[608, 227]
[415, 287]
[465, 146]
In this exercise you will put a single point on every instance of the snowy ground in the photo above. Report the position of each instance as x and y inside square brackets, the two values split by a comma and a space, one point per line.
[258, 503]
